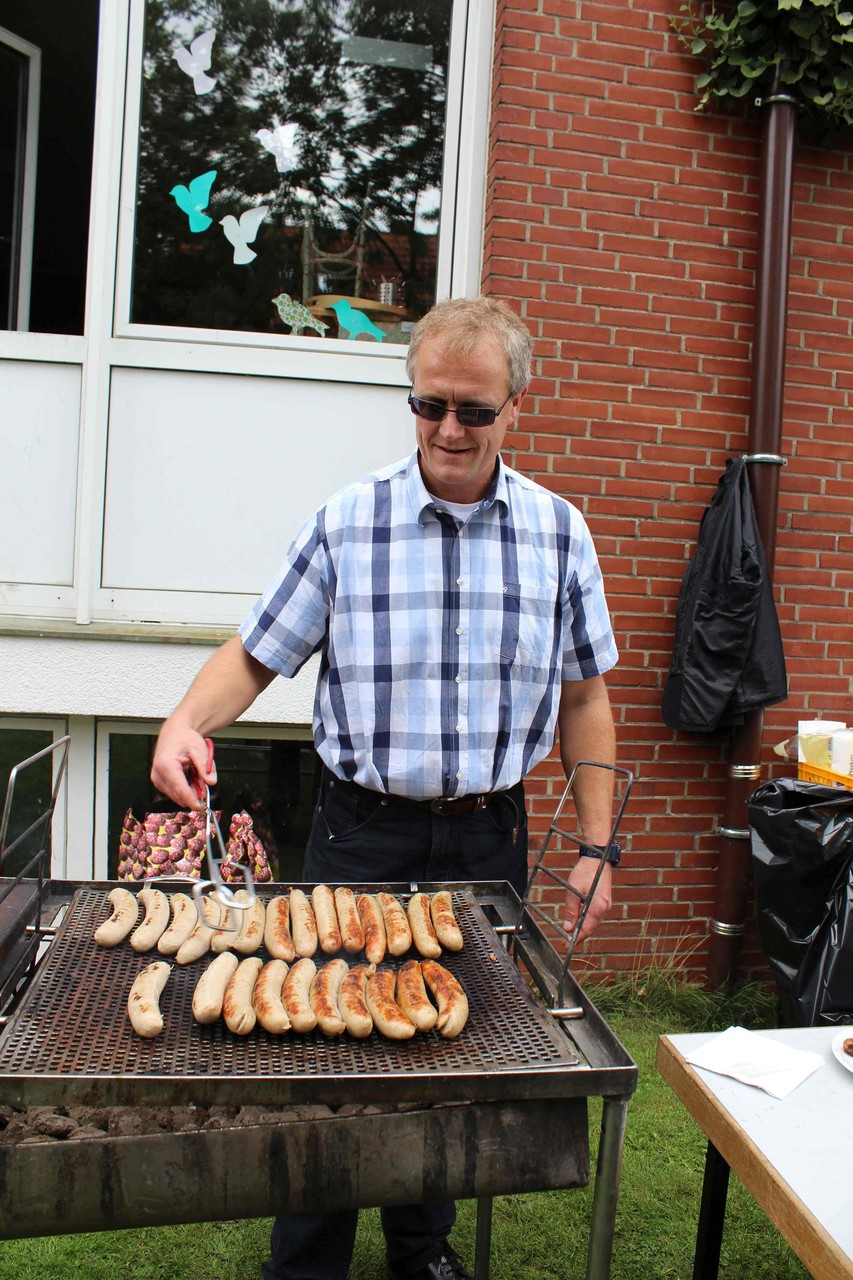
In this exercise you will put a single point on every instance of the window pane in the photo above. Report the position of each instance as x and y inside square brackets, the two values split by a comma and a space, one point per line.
[272, 780]
[67, 37]
[13, 98]
[31, 795]
[329, 117]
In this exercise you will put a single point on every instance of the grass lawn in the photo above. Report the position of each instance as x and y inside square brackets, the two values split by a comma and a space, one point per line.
[536, 1236]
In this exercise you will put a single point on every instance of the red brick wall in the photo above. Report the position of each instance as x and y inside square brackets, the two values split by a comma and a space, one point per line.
[623, 226]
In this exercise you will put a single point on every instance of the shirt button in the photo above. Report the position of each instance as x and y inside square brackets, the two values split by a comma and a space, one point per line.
[459, 728]
[459, 581]
[458, 679]
[459, 775]
[459, 631]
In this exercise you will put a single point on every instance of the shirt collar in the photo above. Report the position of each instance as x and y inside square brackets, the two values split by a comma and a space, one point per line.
[422, 500]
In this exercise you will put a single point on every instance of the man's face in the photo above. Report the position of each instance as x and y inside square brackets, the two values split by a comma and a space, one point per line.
[458, 463]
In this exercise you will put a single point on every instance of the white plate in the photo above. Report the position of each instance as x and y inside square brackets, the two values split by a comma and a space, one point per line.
[845, 1059]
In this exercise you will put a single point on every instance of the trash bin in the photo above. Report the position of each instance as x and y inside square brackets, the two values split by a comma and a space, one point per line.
[802, 862]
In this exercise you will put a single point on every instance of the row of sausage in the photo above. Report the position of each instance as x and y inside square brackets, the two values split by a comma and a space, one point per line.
[290, 926]
[335, 998]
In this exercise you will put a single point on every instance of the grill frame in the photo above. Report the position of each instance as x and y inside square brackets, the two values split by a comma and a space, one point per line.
[475, 1149]
[512, 1047]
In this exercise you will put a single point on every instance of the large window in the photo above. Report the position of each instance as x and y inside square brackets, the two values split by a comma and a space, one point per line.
[48, 57]
[290, 165]
[29, 797]
[273, 780]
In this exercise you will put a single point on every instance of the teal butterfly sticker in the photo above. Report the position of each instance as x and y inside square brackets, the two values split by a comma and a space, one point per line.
[192, 200]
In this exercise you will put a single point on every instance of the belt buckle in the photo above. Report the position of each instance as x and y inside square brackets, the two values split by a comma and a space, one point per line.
[446, 805]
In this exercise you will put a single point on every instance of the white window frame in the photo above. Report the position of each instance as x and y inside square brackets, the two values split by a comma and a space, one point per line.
[104, 728]
[461, 230]
[24, 256]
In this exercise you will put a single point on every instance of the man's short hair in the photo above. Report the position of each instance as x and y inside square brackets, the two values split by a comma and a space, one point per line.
[459, 323]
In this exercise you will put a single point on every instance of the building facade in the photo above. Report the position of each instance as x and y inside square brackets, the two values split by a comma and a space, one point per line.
[166, 423]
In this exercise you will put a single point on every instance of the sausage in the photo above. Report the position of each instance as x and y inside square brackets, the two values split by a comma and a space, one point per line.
[277, 939]
[397, 931]
[198, 942]
[303, 926]
[388, 1017]
[266, 998]
[250, 930]
[125, 910]
[143, 1002]
[228, 926]
[412, 997]
[373, 923]
[420, 923]
[294, 995]
[323, 997]
[451, 999]
[352, 1004]
[447, 930]
[210, 988]
[328, 932]
[352, 932]
[184, 916]
[237, 1007]
[155, 920]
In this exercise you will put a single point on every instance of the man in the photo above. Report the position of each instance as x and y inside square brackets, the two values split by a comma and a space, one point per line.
[460, 619]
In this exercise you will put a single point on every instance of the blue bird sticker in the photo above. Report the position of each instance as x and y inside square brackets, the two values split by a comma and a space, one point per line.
[353, 322]
[193, 199]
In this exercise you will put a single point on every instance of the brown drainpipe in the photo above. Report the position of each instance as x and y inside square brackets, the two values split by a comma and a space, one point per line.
[764, 443]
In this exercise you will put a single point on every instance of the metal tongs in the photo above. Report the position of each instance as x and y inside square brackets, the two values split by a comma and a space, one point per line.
[215, 887]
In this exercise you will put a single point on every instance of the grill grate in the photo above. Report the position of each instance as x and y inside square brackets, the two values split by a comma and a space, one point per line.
[72, 1026]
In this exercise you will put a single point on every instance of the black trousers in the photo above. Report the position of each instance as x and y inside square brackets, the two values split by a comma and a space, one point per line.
[360, 836]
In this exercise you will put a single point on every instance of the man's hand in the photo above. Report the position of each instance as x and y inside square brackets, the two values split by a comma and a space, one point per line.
[179, 750]
[226, 686]
[581, 878]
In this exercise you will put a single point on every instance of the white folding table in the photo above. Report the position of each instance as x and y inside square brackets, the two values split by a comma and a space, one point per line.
[794, 1156]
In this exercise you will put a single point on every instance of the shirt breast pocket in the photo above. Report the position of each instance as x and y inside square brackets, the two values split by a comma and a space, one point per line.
[527, 625]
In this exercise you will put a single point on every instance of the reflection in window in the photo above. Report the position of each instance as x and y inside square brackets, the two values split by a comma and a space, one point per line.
[291, 151]
[45, 222]
[31, 796]
[273, 780]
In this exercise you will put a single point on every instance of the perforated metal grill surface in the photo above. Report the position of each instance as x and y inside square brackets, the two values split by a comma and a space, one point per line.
[73, 1026]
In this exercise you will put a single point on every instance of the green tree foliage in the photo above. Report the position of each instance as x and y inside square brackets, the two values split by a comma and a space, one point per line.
[743, 44]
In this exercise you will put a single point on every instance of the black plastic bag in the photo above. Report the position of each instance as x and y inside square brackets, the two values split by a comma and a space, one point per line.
[802, 862]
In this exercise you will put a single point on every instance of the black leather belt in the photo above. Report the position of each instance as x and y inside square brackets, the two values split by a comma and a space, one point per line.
[446, 806]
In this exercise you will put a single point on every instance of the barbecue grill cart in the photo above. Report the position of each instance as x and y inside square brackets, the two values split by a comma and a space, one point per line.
[500, 1110]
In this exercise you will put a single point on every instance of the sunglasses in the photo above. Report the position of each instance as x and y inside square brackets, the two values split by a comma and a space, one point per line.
[466, 415]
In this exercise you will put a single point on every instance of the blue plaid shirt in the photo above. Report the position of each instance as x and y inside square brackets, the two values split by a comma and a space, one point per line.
[442, 645]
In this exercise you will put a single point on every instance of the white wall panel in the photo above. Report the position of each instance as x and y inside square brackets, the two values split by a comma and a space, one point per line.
[209, 475]
[121, 678]
[39, 436]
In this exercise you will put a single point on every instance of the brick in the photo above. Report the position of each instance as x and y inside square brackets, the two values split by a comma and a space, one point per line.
[633, 255]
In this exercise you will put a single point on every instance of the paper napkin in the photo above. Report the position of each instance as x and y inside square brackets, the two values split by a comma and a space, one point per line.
[756, 1060]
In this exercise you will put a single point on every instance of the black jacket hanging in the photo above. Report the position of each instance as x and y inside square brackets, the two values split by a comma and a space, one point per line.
[727, 657]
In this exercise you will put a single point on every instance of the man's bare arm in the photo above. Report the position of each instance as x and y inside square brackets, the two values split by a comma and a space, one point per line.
[587, 733]
[226, 686]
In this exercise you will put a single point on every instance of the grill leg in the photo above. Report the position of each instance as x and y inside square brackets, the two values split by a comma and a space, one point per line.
[608, 1168]
[483, 1245]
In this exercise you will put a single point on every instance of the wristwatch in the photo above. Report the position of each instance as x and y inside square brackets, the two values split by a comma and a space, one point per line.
[610, 853]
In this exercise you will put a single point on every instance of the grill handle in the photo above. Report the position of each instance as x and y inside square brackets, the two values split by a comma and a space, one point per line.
[533, 909]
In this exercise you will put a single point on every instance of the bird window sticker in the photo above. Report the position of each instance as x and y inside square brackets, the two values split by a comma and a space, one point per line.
[290, 167]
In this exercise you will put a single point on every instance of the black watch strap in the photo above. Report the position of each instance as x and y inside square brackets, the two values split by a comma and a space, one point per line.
[610, 853]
